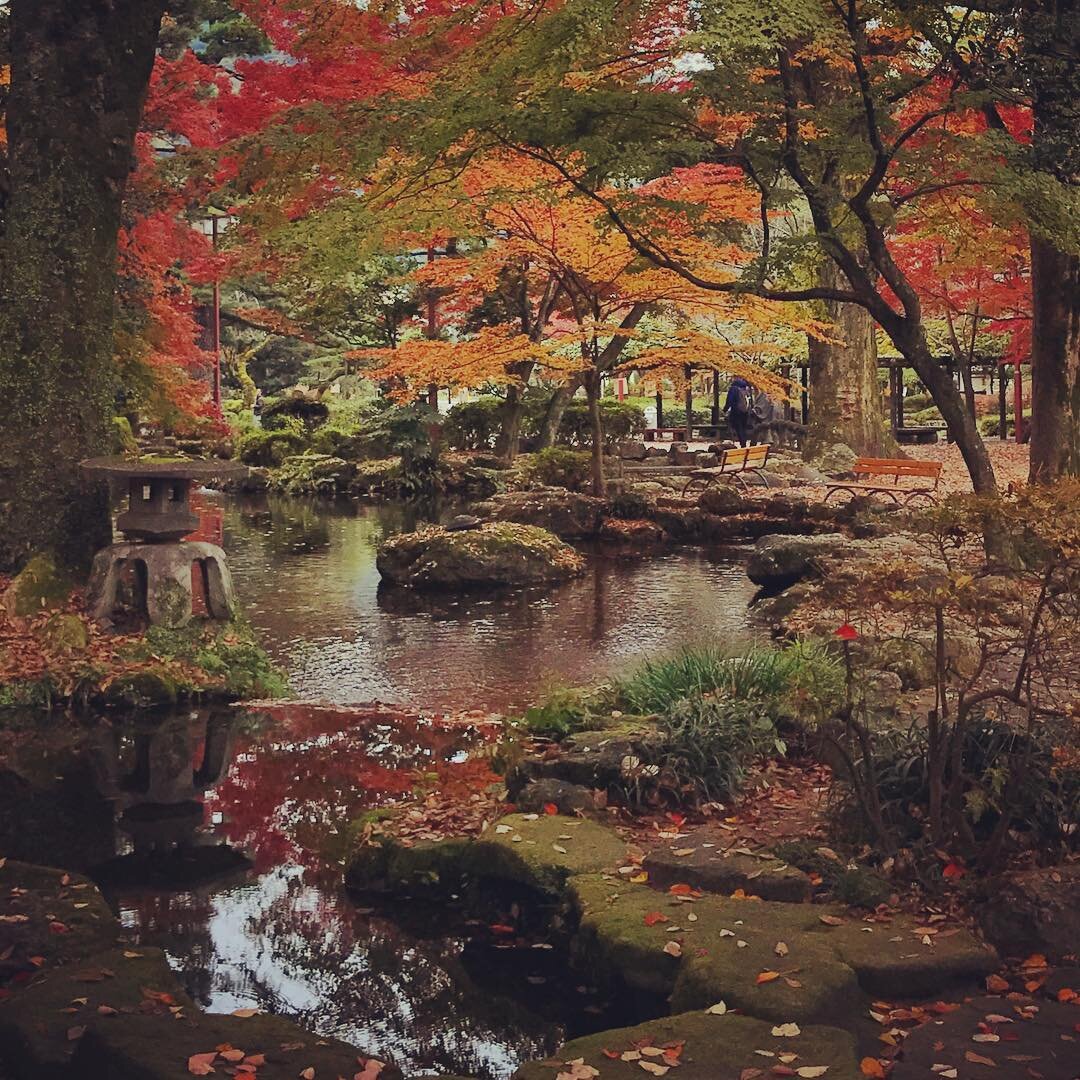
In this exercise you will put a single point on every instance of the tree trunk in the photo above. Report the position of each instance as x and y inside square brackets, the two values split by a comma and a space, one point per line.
[549, 428]
[1051, 44]
[845, 394]
[79, 74]
[1055, 362]
[592, 390]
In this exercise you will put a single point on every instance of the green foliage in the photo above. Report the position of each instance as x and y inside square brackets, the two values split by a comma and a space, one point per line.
[708, 743]
[556, 467]
[620, 420]
[473, 425]
[266, 448]
[563, 712]
[295, 413]
[787, 677]
[630, 506]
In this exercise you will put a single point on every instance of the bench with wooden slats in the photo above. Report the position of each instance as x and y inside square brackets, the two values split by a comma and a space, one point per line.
[897, 470]
[737, 463]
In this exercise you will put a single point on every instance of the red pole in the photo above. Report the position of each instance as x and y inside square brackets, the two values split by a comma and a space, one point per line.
[1018, 404]
[216, 328]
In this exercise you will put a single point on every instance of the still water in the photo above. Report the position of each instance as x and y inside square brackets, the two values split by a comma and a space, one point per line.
[218, 835]
[306, 576]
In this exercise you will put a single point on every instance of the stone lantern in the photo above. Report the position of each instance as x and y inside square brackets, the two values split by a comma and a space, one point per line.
[154, 561]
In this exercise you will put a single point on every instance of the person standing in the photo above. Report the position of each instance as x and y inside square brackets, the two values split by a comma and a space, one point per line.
[737, 406]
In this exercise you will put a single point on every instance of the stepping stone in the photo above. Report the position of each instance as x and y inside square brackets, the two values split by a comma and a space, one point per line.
[713, 871]
[538, 850]
[1041, 1042]
[713, 1048]
[772, 960]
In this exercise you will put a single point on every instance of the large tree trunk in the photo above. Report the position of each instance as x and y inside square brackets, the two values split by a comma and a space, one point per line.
[845, 394]
[1055, 363]
[1051, 33]
[549, 427]
[79, 74]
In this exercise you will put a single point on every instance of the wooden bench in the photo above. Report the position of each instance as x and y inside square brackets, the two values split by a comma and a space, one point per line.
[897, 469]
[655, 434]
[737, 462]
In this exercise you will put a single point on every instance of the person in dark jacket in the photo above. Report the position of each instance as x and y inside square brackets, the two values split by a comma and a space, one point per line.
[738, 407]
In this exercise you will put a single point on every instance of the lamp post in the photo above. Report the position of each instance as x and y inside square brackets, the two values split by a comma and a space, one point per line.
[212, 223]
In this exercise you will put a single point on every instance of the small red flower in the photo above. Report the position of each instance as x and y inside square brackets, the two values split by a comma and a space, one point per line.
[847, 632]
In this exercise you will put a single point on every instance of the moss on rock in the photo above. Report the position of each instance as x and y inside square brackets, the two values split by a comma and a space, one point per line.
[714, 1048]
[499, 553]
[40, 585]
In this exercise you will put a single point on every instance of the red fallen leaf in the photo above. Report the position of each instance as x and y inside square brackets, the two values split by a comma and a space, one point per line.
[846, 632]
[682, 889]
[201, 1064]
[873, 1068]
[57, 928]
[996, 983]
[749, 1074]
[255, 1059]
[767, 977]
[1067, 994]
[782, 1070]
[676, 819]
[953, 871]
[978, 1059]
[159, 996]
[502, 928]
[654, 917]
[613, 1054]
[232, 1056]
[551, 809]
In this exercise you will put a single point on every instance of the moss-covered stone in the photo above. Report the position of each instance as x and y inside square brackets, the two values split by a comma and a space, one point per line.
[713, 1048]
[540, 851]
[499, 553]
[715, 871]
[40, 585]
[150, 688]
[65, 632]
[824, 966]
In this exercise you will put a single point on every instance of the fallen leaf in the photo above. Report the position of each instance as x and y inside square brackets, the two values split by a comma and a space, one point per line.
[550, 809]
[74, 1033]
[202, 1064]
[873, 1068]
[718, 1009]
[654, 1068]
[831, 920]
[654, 917]
[978, 1059]
[997, 984]
[307, 1074]
[244, 1014]
[781, 949]
[767, 976]
[786, 1031]
[673, 948]
[810, 1071]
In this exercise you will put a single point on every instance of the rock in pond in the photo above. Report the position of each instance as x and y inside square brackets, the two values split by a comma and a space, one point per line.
[568, 514]
[498, 553]
[780, 561]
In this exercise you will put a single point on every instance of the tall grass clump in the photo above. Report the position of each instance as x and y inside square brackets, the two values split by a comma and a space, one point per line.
[791, 677]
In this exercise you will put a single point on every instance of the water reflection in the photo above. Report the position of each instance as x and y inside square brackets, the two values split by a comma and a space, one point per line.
[322, 614]
[263, 921]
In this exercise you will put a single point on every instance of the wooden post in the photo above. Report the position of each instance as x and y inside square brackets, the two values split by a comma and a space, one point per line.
[689, 372]
[432, 332]
[716, 401]
[1018, 403]
[804, 380]
[659, 407]
[1003, 408]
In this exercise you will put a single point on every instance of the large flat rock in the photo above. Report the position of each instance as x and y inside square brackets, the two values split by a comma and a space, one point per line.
[713, 1048]
[772, 960]
[1042, 1042]
[714, 871]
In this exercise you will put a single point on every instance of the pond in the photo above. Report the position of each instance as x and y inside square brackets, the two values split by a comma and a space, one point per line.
[218, 835]
[305, 573]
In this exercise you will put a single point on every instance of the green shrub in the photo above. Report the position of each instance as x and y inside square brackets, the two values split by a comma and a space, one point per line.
[709, 742]
[630, 506]
[675, 416]
[259, 447]
[915, 402]
[285, 413]
[474, 425]
[787, 677]
[556, 467]
[930, 415]
[561, 713]
[620, 420]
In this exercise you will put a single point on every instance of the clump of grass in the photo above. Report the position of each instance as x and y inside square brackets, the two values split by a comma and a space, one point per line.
[786, 677]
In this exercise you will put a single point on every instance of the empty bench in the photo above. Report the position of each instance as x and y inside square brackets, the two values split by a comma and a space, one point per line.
[883, 476]
[738, 463]
[655, 434]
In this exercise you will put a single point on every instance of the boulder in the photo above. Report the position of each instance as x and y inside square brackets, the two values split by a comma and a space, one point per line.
[1035, 911]
[714, 871]
[632, 450]
[463, 522]
[568, 514]
[40, 585]
[66, 633]
[569, 799]
[780, 561]
[723, 499]
[149, 688]
[835, 459]
[498, 553]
